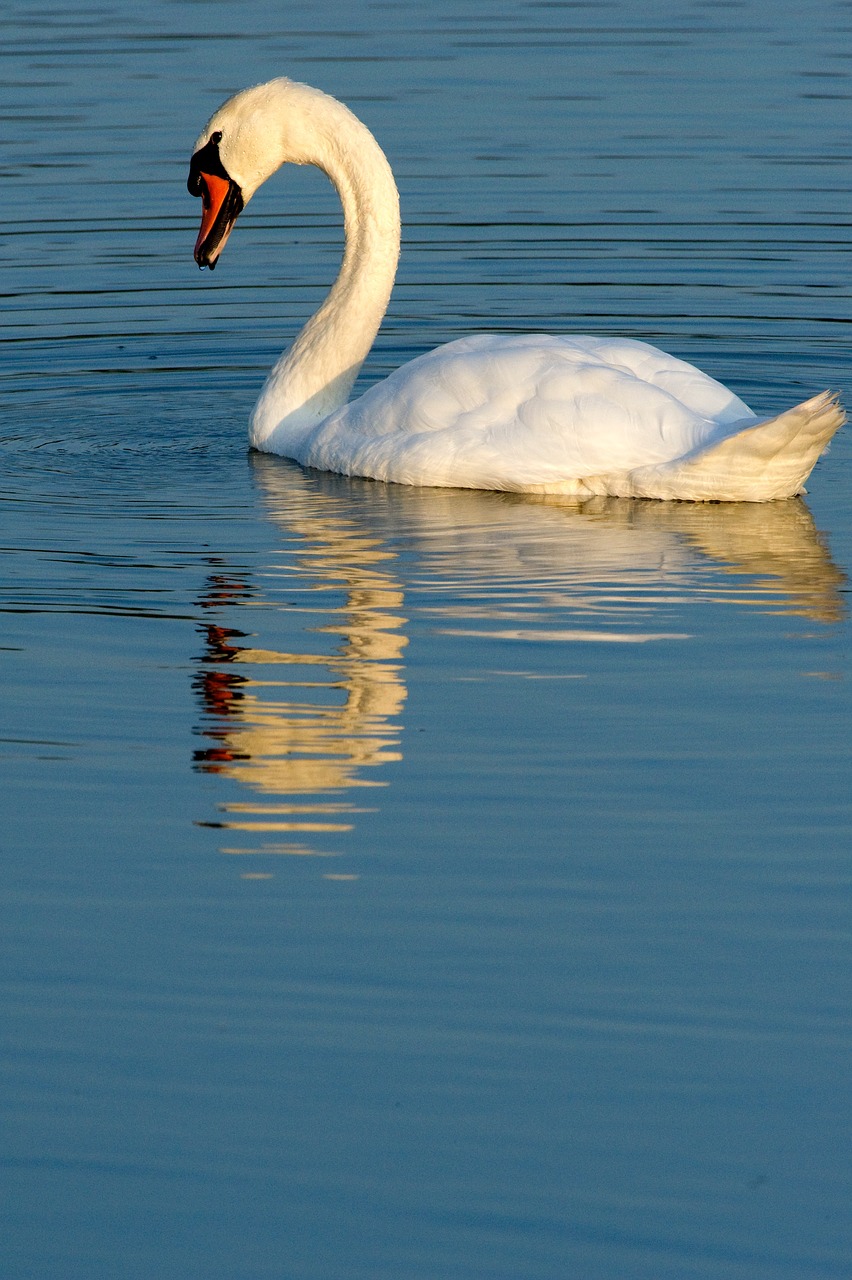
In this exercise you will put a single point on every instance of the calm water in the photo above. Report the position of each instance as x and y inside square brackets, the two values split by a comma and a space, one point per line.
[421, 884]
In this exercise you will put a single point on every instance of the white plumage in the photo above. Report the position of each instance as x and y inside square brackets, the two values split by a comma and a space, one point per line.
[530, 413]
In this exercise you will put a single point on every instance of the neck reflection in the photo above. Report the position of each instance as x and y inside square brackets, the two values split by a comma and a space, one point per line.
[301, 730]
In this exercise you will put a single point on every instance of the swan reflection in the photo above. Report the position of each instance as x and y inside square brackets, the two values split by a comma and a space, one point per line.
[304, 730]
[301, 730]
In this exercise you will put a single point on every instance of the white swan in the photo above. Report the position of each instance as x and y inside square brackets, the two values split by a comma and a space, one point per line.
[529, 413]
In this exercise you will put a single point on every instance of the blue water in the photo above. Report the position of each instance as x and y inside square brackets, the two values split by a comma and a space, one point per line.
[406, 883]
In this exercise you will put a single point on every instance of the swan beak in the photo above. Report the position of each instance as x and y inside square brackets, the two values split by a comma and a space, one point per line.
[221, 203]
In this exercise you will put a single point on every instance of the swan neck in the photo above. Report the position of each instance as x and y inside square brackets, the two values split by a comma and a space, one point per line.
[315, 376]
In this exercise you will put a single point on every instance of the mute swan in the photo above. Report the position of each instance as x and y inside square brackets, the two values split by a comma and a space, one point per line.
[530, 413]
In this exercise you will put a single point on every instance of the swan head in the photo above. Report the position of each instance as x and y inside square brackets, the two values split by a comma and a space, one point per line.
[245, 141]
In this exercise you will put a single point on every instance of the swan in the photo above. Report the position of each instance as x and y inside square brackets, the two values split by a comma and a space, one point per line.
[530, 413]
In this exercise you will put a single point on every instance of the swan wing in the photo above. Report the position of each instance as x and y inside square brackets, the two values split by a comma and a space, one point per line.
[525, 413]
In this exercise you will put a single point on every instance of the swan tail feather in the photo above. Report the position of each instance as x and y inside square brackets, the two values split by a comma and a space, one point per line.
[758, 463]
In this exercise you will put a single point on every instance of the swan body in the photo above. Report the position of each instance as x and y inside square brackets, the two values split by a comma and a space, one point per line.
[529, 413]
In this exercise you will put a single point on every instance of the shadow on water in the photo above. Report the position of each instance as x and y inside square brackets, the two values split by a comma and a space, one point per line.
[303, 730]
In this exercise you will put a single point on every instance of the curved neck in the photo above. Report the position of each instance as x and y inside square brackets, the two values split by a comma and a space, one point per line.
[315, 376]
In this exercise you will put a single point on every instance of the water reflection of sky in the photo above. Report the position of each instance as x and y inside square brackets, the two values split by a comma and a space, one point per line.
[583, 1011]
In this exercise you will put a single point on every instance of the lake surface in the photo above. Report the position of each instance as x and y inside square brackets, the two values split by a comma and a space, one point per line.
[421, 884]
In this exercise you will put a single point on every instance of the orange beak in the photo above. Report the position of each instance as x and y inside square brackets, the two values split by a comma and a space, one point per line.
[213, 193]
[221, 202]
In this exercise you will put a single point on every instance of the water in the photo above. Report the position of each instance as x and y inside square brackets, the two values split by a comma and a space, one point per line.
[401, 883]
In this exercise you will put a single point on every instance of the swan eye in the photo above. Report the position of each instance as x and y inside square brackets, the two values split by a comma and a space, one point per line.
[206, 161]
